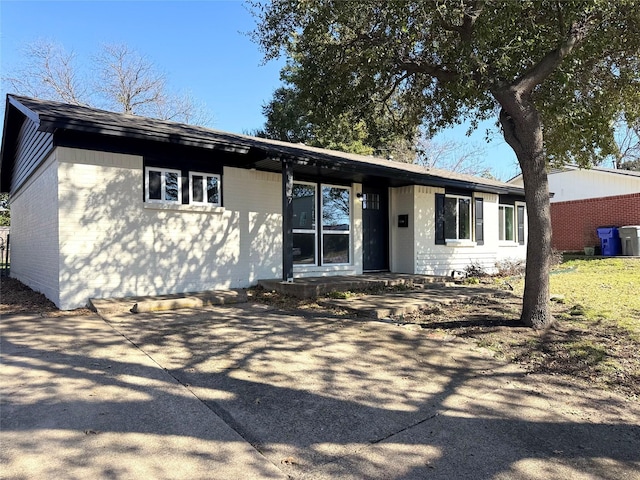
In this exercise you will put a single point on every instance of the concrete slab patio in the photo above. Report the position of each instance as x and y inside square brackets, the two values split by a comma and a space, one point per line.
[251, 392]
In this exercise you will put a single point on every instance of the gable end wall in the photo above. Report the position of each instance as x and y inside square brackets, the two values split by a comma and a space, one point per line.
[32, 147]
[34, 231]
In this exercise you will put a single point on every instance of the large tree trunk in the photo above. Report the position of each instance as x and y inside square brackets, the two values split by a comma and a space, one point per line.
[522, 130]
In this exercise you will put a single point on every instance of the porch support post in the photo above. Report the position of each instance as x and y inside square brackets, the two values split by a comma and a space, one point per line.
[287, 221]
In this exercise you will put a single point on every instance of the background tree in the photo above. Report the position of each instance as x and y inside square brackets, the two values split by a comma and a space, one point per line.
[558, 73]
[628, 143]
[290, 119]
[50, 72]
[117, 78]
[5, 212]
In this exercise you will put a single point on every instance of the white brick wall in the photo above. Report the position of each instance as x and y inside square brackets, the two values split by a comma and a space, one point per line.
[112, 244]
[84, 216]
[34, 231]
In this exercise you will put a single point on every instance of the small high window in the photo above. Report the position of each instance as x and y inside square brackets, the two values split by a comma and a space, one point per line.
[162, 185]
[204, 188]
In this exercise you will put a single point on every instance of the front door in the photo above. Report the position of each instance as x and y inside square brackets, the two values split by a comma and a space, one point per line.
[375, 228]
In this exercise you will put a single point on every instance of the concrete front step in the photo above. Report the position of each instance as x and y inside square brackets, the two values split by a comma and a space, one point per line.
[312, 287]
[168, 302]
[404, 303]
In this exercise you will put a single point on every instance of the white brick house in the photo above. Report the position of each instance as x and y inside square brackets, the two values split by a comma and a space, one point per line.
[107, 204]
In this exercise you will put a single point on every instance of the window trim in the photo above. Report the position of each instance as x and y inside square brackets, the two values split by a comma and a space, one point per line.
[502, 207]
[163, 187]
[335, 232]
[313, 230]
[457, 240]
[217, 176]
[318, 227]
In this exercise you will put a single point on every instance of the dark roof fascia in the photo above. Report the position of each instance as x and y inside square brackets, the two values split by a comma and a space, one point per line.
[55, 124]
[27, 112]
[246, 145]
[10, 128]
[410, 178]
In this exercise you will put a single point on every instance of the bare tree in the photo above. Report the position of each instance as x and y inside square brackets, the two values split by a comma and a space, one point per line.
[118, 78]
[452, 155]
[49, 71]
[128, 81]
[182, 107]
[628, 143]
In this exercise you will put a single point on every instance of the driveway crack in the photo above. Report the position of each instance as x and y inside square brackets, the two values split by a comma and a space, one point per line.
[404, 429]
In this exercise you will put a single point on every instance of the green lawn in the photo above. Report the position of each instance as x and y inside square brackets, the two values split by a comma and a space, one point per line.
[601, 289]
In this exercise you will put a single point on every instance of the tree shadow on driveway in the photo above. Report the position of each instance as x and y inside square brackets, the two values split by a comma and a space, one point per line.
[329, 397]
[318, 396]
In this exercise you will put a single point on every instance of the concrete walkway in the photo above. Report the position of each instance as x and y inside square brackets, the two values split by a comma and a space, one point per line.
[251, 392]
[80, 401]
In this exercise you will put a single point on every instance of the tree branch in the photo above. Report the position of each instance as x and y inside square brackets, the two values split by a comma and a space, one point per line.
[545, 67]
[437, 71]
[471, 14]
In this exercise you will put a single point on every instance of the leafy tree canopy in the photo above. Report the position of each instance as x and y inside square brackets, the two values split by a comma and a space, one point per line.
[290, 117]
[443, 61]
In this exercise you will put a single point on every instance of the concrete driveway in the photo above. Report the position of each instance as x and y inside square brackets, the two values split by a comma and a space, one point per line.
[251, 392]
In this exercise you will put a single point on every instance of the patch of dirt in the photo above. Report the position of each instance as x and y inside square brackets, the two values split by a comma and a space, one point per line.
[581, 351]
[15, 297]
[578, 349]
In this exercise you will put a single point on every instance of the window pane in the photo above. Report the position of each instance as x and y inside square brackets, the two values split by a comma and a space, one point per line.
[371, 201]
[304, 206]
[335, 248]
[171, 187]
[155, 185]
[464, 213]
[213, 195]
[450, 218]
[304, 248]
[335, 208]
[196, 190]
[501, 223]
[508, 223]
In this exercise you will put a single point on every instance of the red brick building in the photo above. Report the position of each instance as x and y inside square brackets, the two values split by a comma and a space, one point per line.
[585, 199]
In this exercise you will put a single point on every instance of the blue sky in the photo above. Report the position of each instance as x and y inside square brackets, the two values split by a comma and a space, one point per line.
[202, 46]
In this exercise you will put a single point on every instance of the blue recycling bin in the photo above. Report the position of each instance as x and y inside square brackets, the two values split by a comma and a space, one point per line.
[609, 241]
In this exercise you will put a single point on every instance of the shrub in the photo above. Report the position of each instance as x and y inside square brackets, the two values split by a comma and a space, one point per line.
[475, 269]
[510, 267]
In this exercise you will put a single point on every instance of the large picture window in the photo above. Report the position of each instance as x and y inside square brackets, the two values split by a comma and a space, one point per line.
[336, 224]
[323, 239]
[304, 224]
[162, 185]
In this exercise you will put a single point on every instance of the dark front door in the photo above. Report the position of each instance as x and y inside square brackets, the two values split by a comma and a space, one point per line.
[375, 228]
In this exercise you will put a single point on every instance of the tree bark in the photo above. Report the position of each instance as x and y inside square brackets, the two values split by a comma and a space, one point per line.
[522, 129]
